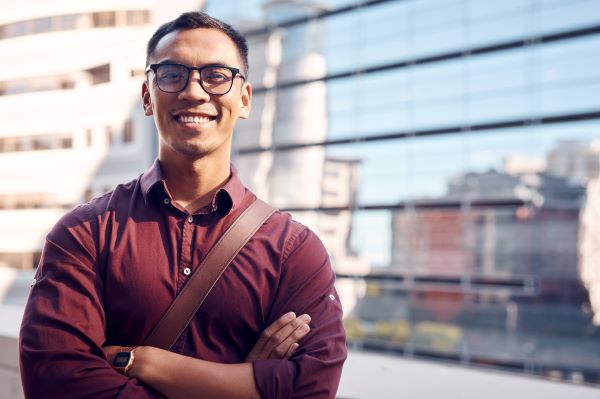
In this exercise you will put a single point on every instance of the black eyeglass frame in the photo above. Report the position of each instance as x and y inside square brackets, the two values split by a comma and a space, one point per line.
[234, 71]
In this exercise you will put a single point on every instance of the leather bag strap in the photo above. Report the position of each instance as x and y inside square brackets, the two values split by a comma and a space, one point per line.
[185, 305]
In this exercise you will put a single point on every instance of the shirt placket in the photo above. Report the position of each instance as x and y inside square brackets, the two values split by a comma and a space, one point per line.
[185, 269]
[187, 239]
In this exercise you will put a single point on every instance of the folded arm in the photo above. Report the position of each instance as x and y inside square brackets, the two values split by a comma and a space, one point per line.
[178, 376]
[307, 286]
[63, 327]
[277, 366]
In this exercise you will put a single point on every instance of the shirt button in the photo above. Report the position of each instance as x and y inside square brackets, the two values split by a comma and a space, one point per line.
[166, 201]
[190, 219]
[187, 271]
[332, 297]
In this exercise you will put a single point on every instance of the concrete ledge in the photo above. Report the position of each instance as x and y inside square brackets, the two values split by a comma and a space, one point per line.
[10, 380]
[366, 375]
[10, 385]
[370, 375]
[9, 357]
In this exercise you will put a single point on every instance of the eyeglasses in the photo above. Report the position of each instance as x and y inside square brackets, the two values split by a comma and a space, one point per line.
[214, 79]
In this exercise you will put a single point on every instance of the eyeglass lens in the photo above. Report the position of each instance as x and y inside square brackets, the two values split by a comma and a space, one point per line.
[174, 78]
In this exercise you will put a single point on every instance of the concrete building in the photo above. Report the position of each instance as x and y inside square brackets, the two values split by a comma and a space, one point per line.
[72, 122]
[589, 246]
[577, 160]
[492, 267]
[456, 238]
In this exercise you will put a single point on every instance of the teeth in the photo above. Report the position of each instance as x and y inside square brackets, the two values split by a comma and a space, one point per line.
[193, 119]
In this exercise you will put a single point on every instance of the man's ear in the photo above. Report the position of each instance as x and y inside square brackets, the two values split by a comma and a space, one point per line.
[245, 100]
[146, 99]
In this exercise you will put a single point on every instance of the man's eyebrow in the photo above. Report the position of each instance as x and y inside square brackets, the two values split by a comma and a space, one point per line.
[168, 61]
[223, 63]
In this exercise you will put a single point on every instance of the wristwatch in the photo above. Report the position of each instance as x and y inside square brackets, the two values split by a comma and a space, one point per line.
[124, 360]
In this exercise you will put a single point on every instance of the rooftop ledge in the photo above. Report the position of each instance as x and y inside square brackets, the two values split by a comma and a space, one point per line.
[365, 375]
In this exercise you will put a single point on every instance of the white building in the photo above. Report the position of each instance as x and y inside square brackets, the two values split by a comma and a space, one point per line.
[577, 160]
[72, 121]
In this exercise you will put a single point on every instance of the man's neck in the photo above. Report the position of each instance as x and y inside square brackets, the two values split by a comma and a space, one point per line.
[193, 183]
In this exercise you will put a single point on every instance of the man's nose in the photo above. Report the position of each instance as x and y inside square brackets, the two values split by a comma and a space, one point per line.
[194, 90]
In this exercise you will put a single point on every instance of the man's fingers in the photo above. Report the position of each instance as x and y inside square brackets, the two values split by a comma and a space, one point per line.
[275, 327]
[286, 331]
[293, 332]
[280, 339]
[262, 349]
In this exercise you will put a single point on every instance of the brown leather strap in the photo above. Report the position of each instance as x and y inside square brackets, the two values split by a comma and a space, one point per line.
[185, 305]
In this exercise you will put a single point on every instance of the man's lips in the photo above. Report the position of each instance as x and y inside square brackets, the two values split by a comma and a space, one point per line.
[194, 119]
[200, 118]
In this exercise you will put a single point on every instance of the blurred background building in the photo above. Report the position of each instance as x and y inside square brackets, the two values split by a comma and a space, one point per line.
[447, 152]
[72, 126]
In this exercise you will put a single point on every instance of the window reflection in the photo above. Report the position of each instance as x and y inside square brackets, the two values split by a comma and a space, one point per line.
[466, 230]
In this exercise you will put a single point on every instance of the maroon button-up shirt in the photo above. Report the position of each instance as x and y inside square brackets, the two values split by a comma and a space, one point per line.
[112, 267]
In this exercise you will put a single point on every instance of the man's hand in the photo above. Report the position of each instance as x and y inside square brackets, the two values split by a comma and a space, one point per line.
[177, 376]
[280, 339]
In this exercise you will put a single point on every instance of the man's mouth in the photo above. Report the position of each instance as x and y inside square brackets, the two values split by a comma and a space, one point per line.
[198, 119]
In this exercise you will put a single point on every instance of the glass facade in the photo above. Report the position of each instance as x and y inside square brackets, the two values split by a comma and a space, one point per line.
[447, 153]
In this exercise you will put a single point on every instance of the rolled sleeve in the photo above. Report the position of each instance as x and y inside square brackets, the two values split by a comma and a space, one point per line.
[307, 286]
[63, 327]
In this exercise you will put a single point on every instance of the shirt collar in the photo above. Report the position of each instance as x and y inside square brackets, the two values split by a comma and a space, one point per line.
[231, 194]
[226, 198]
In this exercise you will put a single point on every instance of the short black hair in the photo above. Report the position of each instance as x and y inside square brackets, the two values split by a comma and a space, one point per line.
[193, 20]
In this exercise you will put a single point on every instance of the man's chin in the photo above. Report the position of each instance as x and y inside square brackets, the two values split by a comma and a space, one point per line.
[195, 129]
[193, 151]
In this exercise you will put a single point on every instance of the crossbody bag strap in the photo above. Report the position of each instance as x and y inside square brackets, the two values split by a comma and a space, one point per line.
[185, 305]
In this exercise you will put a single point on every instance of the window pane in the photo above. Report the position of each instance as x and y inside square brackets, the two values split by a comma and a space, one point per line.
[104, 19]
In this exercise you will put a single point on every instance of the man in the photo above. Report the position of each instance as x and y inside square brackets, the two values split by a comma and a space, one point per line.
[112, 267]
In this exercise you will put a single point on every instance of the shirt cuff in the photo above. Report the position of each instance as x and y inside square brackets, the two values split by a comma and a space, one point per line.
[274, 378]
[135, 389]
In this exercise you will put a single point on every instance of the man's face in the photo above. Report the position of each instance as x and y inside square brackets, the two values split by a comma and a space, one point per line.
[193, 123]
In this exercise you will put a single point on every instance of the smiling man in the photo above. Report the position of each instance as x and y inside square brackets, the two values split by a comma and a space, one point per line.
[112, 267]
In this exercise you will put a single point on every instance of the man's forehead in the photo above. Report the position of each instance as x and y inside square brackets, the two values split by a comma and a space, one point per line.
[197, 42]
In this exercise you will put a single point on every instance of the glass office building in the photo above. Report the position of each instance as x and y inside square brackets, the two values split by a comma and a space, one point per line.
[448, 154]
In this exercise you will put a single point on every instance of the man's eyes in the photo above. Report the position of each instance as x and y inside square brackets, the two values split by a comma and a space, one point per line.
[171, 75]
[217, 76]
[208, 75]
